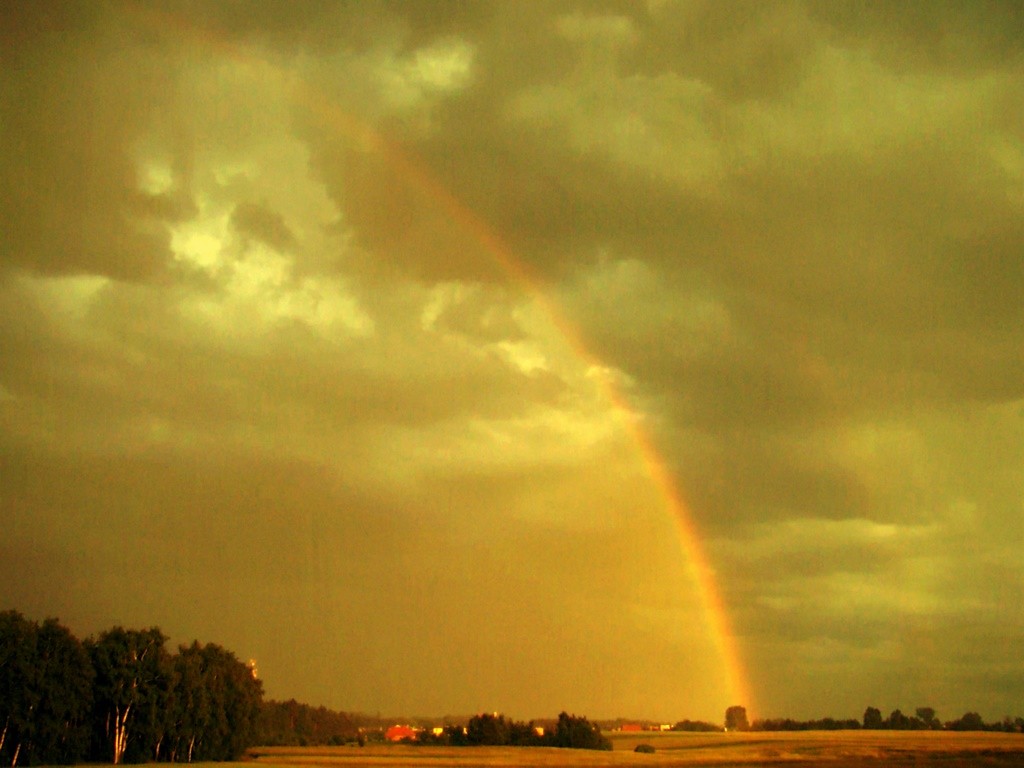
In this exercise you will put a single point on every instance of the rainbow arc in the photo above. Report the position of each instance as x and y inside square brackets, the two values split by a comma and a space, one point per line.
[419, 177]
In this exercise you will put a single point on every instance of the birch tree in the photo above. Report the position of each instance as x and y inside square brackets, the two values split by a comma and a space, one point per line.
[191, 703]
[129, 667]
[17, 684]
[64, 677]
[230, 698]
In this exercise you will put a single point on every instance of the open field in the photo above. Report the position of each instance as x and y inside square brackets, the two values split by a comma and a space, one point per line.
[837, 749]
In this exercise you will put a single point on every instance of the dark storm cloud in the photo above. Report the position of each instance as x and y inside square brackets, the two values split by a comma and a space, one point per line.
[947, 36]
[257, 221]
[742, 49]
[819, 234]
[289, 380]
[76, 95]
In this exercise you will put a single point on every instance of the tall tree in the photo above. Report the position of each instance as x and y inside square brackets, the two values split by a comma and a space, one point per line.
[64, 676]
[130, 667]
[873, 718]
[487, 729]
[575, 732]
[18, 688]
[216, 704]
[736, 719]
[190, 703]
[898, 721]
[927, 716]
[236, 696]
[969, 721]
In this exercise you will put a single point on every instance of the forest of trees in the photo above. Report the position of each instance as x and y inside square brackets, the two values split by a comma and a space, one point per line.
[292, 724]
[119, 697]
[923, 719]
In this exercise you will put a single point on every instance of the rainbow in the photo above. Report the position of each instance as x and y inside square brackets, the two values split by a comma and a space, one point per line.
[415, 173]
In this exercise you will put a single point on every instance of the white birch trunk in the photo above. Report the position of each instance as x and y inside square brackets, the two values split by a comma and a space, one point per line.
[120, 732]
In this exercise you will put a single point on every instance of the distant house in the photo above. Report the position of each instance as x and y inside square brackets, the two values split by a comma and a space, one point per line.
[632, 727]
[399, 732]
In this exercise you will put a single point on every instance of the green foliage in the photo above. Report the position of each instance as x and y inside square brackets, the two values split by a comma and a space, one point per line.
[487, 729]
[873, 718]
[45, 692]
[119, 697]
[788, 724]
[493, 730]
[736, 719]
[131, 676]
[898, 721]
[928, 718]
[969, 721]
[17, 684]
[217, 703]
[65, 679]
[574, 732]
[289, 723]
[696, 726]
[455, 736]
[570, 732]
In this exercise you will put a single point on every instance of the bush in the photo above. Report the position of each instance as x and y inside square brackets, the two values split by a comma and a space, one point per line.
[647, 749]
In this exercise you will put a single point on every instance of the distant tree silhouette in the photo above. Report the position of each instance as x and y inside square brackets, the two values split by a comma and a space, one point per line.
[695, 725]
[928, 718]
[736, 719]
[487, 729]
[574, 732]
[788, 724]
[969, 721]
[873, 718]
[289, 723]
[898, 721]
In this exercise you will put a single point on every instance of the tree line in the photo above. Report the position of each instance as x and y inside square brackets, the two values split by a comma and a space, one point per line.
[570, 732]
[119, 697]
[293, 724]
[923, 719]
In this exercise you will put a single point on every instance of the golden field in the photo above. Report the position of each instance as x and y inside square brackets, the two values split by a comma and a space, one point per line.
[838, 749]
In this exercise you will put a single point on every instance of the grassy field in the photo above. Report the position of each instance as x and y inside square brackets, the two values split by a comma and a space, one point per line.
[837, 749]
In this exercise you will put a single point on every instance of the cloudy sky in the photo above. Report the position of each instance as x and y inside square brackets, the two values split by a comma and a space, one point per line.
[354, 337]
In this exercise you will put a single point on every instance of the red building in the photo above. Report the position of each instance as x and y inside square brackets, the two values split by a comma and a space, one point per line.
[399, 732]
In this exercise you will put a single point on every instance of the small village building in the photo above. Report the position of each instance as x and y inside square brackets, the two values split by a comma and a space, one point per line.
[399, 732]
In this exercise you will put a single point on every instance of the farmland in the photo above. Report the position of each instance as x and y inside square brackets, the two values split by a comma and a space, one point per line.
[838, 749]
